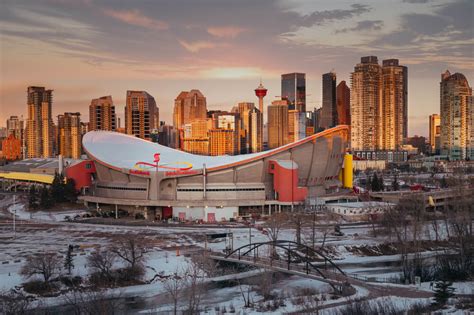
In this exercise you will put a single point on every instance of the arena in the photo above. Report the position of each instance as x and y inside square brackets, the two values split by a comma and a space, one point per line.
[136, 175]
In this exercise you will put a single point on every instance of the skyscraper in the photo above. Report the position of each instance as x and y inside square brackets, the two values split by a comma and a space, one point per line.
[277, 124]
[329, 113]
[189, 106]
[293, 89]
[394, 110]
[378, 105]
[15, 126]
[221, 142]
[39, 125]
[69, 135]
[102, 114]
[435, 132]
[244, 109]
[366, 82]
[343, 104]
[141, 114]
[296, 125]
[255, 138]
[456, 120]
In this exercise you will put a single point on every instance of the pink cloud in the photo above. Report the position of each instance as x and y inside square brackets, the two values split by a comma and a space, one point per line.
[135, 17]
[197, 46]
[225, 31]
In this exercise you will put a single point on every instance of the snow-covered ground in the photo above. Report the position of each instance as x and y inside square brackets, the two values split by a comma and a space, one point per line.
[46, 231]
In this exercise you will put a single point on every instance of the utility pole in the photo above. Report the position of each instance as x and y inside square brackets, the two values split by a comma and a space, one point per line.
[14, 217]
[314, 226]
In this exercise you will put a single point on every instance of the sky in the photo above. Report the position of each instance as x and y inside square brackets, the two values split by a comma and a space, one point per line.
[84, 49]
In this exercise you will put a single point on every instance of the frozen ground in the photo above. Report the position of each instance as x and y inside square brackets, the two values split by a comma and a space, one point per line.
[45, 231]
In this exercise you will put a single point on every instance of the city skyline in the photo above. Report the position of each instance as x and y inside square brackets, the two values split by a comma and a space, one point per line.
[90, 56]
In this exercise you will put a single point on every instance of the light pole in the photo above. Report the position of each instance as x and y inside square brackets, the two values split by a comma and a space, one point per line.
[14, 217]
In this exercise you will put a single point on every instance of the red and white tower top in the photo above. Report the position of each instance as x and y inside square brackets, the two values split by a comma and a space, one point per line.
[261, 92]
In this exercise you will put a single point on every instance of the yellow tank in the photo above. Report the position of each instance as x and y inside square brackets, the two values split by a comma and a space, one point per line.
[347, 174]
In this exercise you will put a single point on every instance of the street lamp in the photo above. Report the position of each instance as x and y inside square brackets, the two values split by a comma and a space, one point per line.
[14, 217]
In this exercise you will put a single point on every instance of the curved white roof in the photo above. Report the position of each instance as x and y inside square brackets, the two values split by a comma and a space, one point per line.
[119, 150]
[124, 151]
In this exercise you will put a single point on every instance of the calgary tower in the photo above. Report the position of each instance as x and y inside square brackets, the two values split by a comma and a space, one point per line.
[261, 92]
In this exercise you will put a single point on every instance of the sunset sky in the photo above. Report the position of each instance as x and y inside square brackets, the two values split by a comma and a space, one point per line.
[87, 49]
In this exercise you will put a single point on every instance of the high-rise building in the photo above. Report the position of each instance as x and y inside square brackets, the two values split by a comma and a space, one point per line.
[293, 89]
[394, 109]
[255, 138]
[189, 106]
[231, 121]
[343, 104]
[435, 133]
[141, 114]
[102, 114]
[366, 82]
[15, 126]
[378, 105]
[455, 111]
[196, 138]
[39, 125]
[277, 124]
[296, 125]
[221, 142]
[69, 135]
[244, 109]
[329, 113]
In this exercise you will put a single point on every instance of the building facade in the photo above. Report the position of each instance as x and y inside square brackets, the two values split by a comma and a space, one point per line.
[39, 125]
[277, 124]
[378, 105]
[210, 188]
[394, 109]
[222, 142]
[343, 104]
[141, 114]
[435, 133]
[11, 148]
[329, 110]
[455, 112]
[102, 114]
[255, 134]
[293, 89]
[189, 106]
[70, 135]
[296, 125]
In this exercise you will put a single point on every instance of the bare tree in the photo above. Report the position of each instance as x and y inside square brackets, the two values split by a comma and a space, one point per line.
[14, 303]
[274, 225]
[93, 302]
[174, 286]
[132, 250]
[195, 287]
[47, 265]
[102, 262]
[265, 285]
[298, 220]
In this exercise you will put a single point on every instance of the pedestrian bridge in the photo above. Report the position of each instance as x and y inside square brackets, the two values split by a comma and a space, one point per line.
[288, 257]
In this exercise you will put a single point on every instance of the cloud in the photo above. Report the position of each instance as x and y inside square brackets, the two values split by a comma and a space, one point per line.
[225, 31]
[363, 26]
[320, 17]
[416, 1]
[135, 17]
[196, 46]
